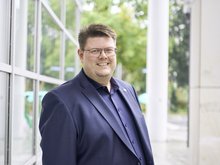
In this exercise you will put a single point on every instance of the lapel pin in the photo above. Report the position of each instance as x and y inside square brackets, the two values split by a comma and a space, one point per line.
[125, 90]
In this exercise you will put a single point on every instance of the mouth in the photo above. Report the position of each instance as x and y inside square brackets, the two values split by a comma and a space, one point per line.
[103, 64]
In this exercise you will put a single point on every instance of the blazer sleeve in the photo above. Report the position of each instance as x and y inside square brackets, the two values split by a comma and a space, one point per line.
[134, 94]
[58, 132]
[136, 97]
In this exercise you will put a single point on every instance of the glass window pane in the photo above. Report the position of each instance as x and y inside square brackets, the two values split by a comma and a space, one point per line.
[22, 121]
[3, 109]
[70, 53]
[55, 6]
[31, 35]
[50, 46]
[24, 35]
[70, 16]
[4, 31]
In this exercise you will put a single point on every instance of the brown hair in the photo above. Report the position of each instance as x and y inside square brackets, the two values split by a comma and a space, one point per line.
[95, 30]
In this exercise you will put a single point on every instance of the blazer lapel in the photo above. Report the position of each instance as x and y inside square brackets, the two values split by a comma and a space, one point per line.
[137, 116]
[90, 92]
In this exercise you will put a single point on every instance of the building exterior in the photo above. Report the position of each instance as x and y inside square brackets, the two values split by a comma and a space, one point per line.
[38, 52]
[204, 106]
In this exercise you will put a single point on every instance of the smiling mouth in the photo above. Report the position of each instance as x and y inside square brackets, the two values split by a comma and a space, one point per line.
[103, 64]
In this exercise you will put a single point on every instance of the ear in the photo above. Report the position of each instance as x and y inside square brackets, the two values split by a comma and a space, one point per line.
[80, 54]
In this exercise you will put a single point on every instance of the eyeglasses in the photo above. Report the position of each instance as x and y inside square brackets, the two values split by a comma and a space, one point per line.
[97, 51]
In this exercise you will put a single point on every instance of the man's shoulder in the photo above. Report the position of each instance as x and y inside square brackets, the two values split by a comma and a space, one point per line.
[68, 88]
[73, 83]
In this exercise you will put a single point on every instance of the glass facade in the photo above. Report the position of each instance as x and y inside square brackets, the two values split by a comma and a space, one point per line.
[71, 16]
[50, 46]
[22, 117]
[37, 53]
[3, 108]
[70, 51]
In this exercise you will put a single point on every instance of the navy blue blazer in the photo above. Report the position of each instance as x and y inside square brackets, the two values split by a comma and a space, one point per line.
[78, 128]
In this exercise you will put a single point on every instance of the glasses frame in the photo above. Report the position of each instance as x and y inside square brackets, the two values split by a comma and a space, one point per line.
[96, 52]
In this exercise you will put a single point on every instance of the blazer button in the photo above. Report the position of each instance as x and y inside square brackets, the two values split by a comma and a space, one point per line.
[139, 163]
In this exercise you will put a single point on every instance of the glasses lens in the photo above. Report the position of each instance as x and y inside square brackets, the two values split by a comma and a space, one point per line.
[95, 51]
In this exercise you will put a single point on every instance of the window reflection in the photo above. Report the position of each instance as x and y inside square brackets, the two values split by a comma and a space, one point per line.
[50, 46]
[70, 17]
[22, 116]
[70, 52]
[3, 107]
[24, 39]
[31, 35]
[55, 6]
[4, 31]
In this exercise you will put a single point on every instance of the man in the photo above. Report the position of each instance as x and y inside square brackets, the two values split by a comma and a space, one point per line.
[94, 119]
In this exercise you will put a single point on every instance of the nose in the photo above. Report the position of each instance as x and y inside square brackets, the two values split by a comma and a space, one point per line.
[102, 53]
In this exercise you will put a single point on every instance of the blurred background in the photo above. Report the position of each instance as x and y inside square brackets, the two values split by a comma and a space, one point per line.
[169, 50]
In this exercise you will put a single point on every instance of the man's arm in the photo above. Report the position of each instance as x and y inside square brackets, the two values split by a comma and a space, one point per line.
[58, 133]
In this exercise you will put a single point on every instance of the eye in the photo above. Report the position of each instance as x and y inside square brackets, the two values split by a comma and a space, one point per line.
[94, 51]
[109, 51]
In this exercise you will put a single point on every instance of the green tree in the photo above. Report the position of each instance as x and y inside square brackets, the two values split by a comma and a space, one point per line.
[178, 56]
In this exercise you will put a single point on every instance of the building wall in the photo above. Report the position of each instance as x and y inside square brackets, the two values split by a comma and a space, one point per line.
[37, 52]
[205, 83]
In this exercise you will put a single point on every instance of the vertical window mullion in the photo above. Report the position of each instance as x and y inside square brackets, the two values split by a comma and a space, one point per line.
[11, 83]
[36, 69]
[62, 49]
[77, 23]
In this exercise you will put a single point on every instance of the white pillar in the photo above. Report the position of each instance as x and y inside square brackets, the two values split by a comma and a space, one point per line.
[204, 105]
[118, 71]
[157, 65]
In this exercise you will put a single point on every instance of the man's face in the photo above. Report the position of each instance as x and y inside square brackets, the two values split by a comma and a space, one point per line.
[98, 67]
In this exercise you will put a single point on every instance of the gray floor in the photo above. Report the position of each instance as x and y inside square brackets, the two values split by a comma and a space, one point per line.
[174, 151]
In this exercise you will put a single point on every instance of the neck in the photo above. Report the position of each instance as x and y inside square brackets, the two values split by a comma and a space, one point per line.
[103, 80]
[109, 86]
[105, 83]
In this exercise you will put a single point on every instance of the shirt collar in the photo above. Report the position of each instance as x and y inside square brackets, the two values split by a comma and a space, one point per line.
[114, 84]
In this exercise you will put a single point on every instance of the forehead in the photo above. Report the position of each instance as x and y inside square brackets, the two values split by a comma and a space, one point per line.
[100, 42]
